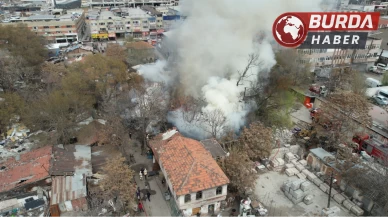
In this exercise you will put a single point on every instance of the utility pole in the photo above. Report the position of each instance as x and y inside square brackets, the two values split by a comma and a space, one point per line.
[331, 185]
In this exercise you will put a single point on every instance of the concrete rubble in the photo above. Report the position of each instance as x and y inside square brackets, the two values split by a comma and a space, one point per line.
[298, 191]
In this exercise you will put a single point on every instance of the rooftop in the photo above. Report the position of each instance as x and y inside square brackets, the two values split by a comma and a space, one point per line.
[71, 166]
[189, 166]
[134, 13]
[214, 148]
[321, 153]
[25, 169]
[152, 10]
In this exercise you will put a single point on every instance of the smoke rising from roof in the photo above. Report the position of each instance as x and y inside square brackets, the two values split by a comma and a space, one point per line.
[213, 45]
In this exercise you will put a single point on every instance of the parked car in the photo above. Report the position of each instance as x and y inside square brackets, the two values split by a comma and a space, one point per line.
[382, 66]
[371, 82]
[381, 100]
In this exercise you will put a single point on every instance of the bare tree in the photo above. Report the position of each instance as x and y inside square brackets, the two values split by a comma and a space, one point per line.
[214, 121]
[253, 61]
[151, 104]
[118, 183]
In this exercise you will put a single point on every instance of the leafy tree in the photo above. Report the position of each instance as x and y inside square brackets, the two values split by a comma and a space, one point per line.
[118, 182]
[10, 105]
[58, 111]
[239, 169]
[21, 42]
[214, 122]
[257, 140]
[102, 76]
[139, 52]
[288, 64]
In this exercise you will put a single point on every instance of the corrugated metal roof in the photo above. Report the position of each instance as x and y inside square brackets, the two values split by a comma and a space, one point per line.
[74, 159]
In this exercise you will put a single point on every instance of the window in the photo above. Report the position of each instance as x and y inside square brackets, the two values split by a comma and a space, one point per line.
[69, 31]
[129, 22]
[144, 21]
[101, 24]
[59, 32]
[145, 27]
[69, 26]
[110, 23]
[198, 196]
[187, 198]
[35, 27]
[46, 27]
[219, 190]
[57, 27]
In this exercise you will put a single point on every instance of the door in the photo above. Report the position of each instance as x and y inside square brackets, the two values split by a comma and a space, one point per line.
[211, 209]
[196, 210]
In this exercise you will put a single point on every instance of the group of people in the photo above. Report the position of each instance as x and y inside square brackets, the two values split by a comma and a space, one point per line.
[143, 172]
[140, 205]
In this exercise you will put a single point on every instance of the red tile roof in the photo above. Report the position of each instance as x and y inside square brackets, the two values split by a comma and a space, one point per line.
[31, 167]
[189, 166]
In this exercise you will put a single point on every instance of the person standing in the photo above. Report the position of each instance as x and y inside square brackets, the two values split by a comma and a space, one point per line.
[149, 196]
[145, 174]
[138, 193]
[140, 207]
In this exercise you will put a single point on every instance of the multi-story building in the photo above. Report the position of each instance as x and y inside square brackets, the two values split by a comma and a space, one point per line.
[194, 179]
[124, 22]
[67, 27]
[332, 57]
[131, 3]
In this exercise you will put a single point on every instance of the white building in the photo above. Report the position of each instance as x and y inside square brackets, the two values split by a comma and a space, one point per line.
[196, 182]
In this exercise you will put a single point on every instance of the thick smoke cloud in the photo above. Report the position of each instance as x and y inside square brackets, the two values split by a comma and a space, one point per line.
[213, 45]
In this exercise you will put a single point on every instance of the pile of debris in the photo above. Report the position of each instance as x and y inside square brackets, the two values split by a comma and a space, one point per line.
[298, 191]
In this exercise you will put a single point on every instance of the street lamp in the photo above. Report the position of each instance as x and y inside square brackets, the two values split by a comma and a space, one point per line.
[332, 180]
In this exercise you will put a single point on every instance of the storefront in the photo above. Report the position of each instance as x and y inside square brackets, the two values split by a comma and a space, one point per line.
[112, 36]
[100, 36]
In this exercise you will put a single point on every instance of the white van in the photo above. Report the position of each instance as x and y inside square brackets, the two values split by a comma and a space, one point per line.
[371, 82]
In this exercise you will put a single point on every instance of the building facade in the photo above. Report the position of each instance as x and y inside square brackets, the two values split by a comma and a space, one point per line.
[125, 22]
[65, 28]
[199, 185]
[333, 57]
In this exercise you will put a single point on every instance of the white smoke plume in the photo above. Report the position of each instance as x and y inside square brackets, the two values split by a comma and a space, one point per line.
[213, 45]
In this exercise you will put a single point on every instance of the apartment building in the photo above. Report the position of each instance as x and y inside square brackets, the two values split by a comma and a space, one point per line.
[64, 28]
[330, 57]
[125, 22]
[131, 3]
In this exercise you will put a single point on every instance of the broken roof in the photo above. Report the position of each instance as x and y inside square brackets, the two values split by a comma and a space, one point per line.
[71, 166]
[189, 166]
[25, 169]
[213, 147]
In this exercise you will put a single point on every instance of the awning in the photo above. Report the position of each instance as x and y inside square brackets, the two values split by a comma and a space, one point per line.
[112, 35]
[160, 30]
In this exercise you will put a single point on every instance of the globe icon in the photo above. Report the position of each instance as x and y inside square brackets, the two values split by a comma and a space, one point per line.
[289, 30]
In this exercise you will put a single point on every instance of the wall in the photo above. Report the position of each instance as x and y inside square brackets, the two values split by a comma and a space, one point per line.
[208, 197]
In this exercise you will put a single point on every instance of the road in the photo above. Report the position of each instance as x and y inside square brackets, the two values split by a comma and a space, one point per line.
[362, 68]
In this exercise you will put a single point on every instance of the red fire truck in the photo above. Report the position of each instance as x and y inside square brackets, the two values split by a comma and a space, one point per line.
[373, 147]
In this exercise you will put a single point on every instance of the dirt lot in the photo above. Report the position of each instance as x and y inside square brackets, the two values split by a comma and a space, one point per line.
[269, 193]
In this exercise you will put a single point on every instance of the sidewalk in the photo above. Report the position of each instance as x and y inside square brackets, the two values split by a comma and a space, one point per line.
[158, 206]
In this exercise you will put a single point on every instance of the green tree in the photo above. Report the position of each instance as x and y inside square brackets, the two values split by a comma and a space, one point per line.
[58, 111]
[21, 42]
[11, 105]
[102, 76]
